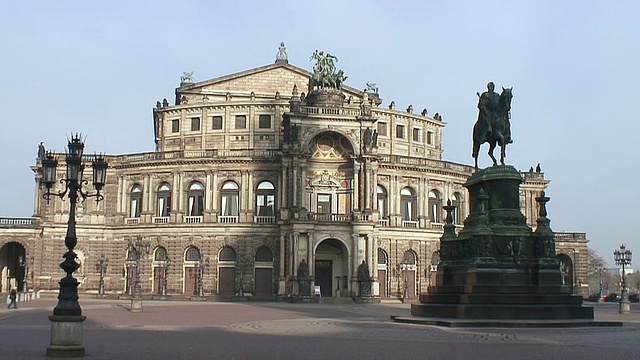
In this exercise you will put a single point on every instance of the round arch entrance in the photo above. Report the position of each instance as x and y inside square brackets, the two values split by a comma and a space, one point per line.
[13, 262]
[331, 268]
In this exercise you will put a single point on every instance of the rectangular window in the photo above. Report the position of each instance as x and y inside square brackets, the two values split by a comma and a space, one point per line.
[382, 129]
[416, 134]
[195, 124]
[217, 122]
[264, 122]
[429, 138]
[175, 126]
[400, 131]
[241, 121]
[324, 204]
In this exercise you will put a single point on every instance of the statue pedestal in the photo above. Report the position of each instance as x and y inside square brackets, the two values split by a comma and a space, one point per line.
[304, 287]
[496, 268]
[66, 336]
[365, 288]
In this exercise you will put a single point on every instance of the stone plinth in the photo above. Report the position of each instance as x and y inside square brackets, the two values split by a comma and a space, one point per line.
[497, 268]
[325, 98]
[66, 336]
[136, 305]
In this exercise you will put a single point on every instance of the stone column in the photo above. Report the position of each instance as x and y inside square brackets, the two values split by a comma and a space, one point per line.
[356, 185]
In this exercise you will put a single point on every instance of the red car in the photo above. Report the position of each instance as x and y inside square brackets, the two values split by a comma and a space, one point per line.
[611, 297]
[634, 297]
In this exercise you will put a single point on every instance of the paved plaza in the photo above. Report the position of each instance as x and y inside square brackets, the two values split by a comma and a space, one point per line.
[208, 330]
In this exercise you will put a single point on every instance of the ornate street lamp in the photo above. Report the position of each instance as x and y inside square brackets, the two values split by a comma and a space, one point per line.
[101, 268]
[202, 264]
[623, 258]
[67, 319]
[165, 272]
[138, 249]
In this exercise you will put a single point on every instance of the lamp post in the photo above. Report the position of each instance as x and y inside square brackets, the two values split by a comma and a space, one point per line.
[67, 318]
[203, 264]
[101, 268]
[623, 258]
[138, 249]
[22, 262]
[165, 272]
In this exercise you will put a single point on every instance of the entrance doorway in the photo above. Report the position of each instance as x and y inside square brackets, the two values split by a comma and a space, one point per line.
[324, 277]
[331, 268]
[13, 266]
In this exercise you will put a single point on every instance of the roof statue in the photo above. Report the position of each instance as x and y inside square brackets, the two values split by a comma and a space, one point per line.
[187, 78]
[325, 76]
[282, 53]
[493, 124]
[372, 88]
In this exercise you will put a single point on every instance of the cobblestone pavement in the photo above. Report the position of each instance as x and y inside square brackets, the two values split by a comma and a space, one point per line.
[207, 330]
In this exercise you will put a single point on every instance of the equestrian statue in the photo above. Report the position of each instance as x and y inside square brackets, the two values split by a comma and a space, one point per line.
[493, 124]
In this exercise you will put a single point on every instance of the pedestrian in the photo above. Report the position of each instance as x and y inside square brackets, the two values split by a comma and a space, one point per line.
[12, 297]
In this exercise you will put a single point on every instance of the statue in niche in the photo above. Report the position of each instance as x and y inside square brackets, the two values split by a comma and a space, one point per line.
[367, 138]
[374, 140]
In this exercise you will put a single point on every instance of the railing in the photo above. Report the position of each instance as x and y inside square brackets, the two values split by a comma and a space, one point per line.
[361, 217]
[566, 236]
[437, 226]
[16, 221]
[315, 110]
[264, 219]
[409, 224]
[383, 222]
[193, 219]
[160, 219]
[227, 219]
[132, 221]
[191, 154]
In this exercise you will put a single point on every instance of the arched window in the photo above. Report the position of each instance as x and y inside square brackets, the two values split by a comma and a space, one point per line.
[435, 206]
[227, 253]
[164, 199]
[230, 197]
[383, 258]
[409, 258]
[196, 199]
[264, 254]
[408, 204]
[456, 202]
[383, 202]
[136, 201]
[192, 254]
[265, 199]
[160, 254]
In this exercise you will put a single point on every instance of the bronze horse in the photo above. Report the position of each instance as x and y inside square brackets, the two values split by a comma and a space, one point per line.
[498, 132]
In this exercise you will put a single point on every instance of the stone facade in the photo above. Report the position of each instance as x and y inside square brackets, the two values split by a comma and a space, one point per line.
[247, 180]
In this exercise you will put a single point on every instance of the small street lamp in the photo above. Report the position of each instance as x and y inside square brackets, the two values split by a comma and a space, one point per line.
[202, 264]
[138, 250]
[623, 258]
[165, 274]
[101, 268]
[22, 262]
[67, 318]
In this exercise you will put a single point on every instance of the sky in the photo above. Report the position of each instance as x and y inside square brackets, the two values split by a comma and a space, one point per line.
[98, 68]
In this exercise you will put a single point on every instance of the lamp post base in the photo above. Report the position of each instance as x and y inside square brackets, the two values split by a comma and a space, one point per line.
[66, 336]
[625, 306]
[136, 305]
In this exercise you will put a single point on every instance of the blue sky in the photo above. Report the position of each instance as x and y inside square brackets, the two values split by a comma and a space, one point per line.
[99, 67]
